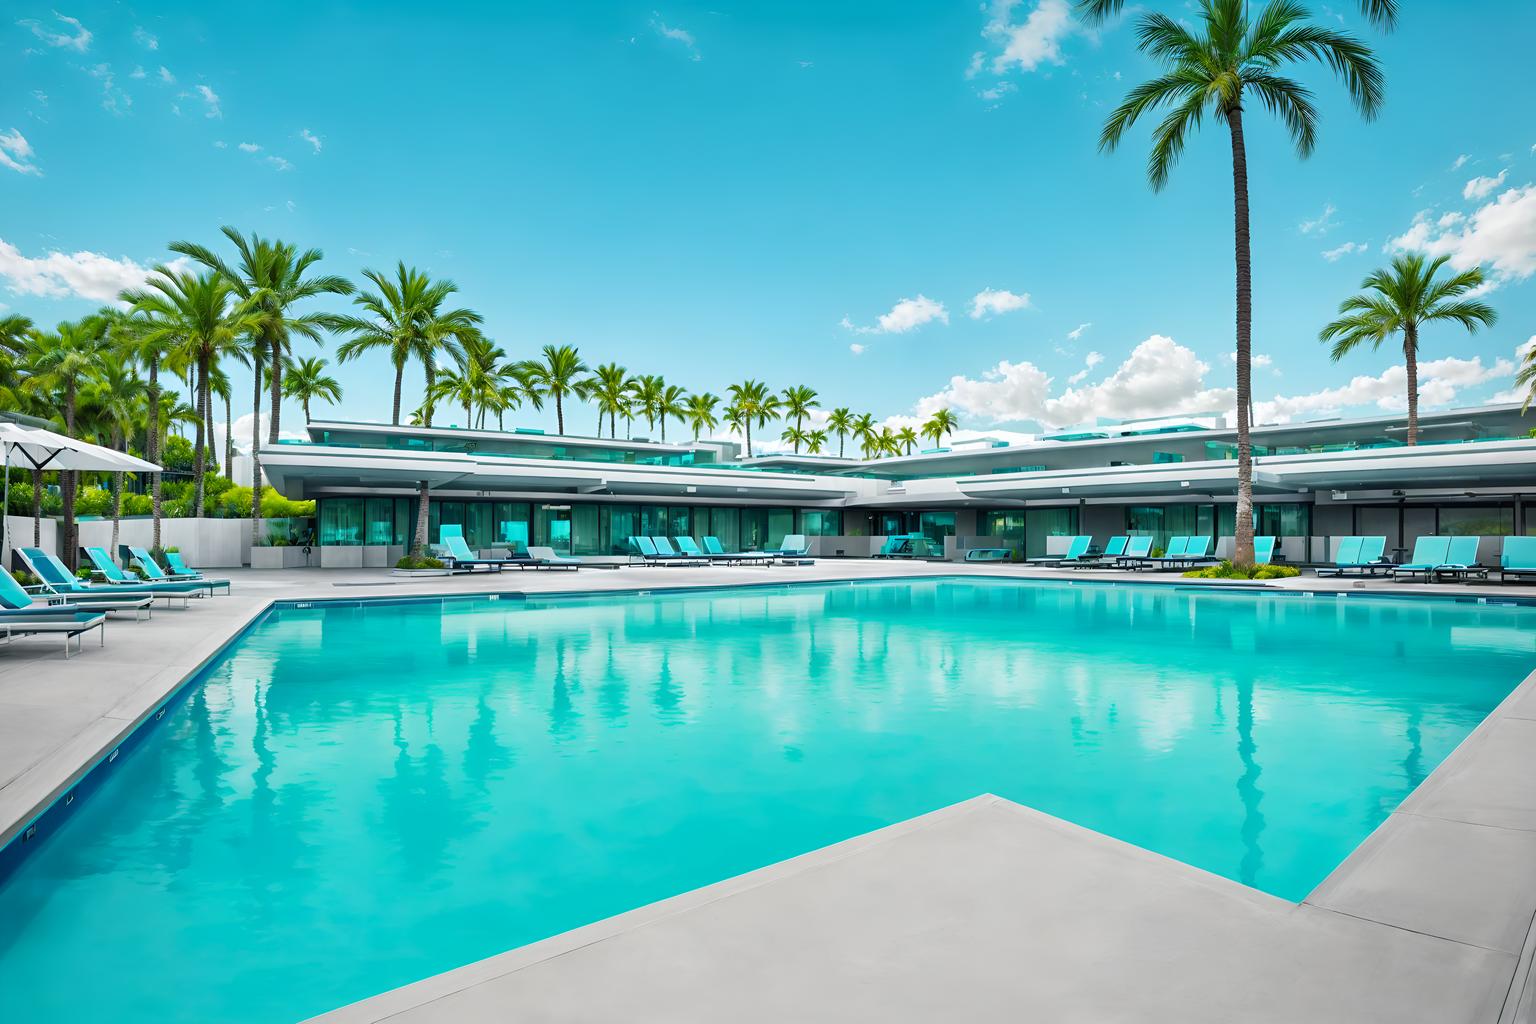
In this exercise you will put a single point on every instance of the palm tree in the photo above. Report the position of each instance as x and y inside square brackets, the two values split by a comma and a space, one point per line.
[863, 429]
[795, 436]
[1208, 69]
[59, 363]
[1406, 298]
[798, 403]
[308, 382]
[754, 404]
[515, 389]
[942, 422]
[554, 376]
[887, 443]
[609, 388]
[907, 437]
[219, 388]
[196, 320]
[700, 412]
[1094, 12]
[840, 422]
[270, 278]
[14, 330]
[646, 390]
[815, 441]
[405, 317]
[118, 393]
[669, 405]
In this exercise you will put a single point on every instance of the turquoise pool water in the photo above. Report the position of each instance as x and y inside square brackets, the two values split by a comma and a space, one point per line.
[358, 797]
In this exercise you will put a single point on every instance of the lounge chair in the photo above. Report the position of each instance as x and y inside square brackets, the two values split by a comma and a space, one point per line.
[714, 550]
[58, 580]
[689, 547]
[988, 554]
[547, 559]
[1263, 550]
[1077, 547]
[1518, 559]
[794, 550]
[897, 545]
[60, 620]
[666, 552]
[452, 539]
[1358, 555]
[1172, 555]
[155, 574]
[1429, 554]
[179, 569]
[1461, 561]
[1109, 556]
[1136, 551]
[17, 598]
[116, 579]
[652, 554]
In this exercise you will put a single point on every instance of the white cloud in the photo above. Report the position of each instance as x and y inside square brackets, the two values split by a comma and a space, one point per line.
[1160, 377]
[1347, 249]
[1524, 353]
[312, 139]
[86, 275]
[1501, 234]
[210, 102]
[248, 147]
[166, 76]
[1439, 382]
[279, 163]
[16, 153]
[243, 425]
[676, 35]
[1077, 332]
[906, 315]
[1256, 359]
[138, 73]
[856, 349]
[1322, 223]
[1482, 187]
[989, 302]
[220, 144]
[1460, 161]
[1032, 42]
[1093, 359]
[144, 39]
[76, 37]
[113, 99]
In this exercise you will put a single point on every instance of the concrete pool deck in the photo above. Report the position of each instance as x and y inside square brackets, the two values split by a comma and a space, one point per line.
[983, 911]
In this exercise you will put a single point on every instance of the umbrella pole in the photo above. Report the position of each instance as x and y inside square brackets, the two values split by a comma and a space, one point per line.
[5, 526]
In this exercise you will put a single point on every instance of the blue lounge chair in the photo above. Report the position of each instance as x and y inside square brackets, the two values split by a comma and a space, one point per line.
[1077, 547]
[17, 598]
[1518, 559]
[1137, 551]
[1171, 558]
[651, 554]
[667, 553]
[452, 539]
[1461, 560]
[714, 550]
[1429, 554]
[116, 578]
[548, 559]
[179, 569]
[1347, 557]
[794, 549]
[1112, 553]
[155, 574]
[58, 580]
[71, 625]
[1263, 550]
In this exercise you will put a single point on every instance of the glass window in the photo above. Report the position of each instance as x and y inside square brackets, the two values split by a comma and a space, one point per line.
[781, 523]
[513, 520]
[478, 532]
[1477, 520]
[1041, 523]
[817, 522]
[754, 529]
[936, 526]
[725, 526]
[380, 521]
[892, 524]
[623, 523]
[341, 521]
[586, 535]
[653, 521]
[679, 521]
[1006, 524]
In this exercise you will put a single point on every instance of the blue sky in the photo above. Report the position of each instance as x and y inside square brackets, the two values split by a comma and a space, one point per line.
[804, 192]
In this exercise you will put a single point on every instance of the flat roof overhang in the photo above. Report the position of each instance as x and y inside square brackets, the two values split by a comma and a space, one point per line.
[1116, 482]
[1499, 463]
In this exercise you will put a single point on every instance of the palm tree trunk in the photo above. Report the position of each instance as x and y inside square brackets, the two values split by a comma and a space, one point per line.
[152, 445]
[1411, 364]
[419, 548]
[1242, 552]
[429, 371]
[199, 457]
[559, 415]
[840, 441]
[67, 480]
[256, 457]
[213, 445]
[399, 378]
[37, 508]
[229, 436]
[747, 428]
[275, 360]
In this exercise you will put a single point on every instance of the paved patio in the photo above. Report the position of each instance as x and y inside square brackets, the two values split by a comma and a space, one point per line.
[985, 911]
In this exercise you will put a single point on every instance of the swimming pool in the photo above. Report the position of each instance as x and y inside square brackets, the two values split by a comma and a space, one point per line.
[359, 795]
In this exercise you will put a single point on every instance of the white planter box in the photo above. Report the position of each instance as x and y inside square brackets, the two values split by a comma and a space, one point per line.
[277, 558]
[421, 572]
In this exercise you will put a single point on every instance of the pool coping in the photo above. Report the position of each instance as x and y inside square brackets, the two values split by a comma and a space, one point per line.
[1362, 886]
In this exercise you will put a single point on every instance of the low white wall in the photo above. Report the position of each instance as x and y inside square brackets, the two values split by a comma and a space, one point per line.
[205, 543]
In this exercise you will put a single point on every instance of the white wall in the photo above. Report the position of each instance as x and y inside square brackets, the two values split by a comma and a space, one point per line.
[205, 543]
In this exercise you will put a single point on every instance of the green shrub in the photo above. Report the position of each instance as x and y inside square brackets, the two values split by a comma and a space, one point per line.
[93, 501]
[25, 578]
[138, 505]
[418, 562]
[177, 455]
[1232, 571]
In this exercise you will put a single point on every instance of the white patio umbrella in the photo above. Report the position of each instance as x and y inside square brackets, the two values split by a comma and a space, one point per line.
[36, 448]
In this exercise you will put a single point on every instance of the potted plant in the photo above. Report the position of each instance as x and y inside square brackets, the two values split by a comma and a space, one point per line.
[420, 565]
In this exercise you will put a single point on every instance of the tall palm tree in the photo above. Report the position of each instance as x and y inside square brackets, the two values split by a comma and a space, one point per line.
[646, 391]
[1402, 299]
[58, 364]
[700, 412]
[863, 429]
[219, 387]
[815, 441]
[942, 422]
[840, 422]
[907, 438]
[514, 390]
[151, 350]
[118, 393]
[307, 381]
[196, 317]
[755, 404]
[798, 403]
[669, 405]
[887, 442]
[609, 388]
[1382, 12]
[271, 277]
[14, 329]
[1208, 69]
[405, 317]
[555, 375]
